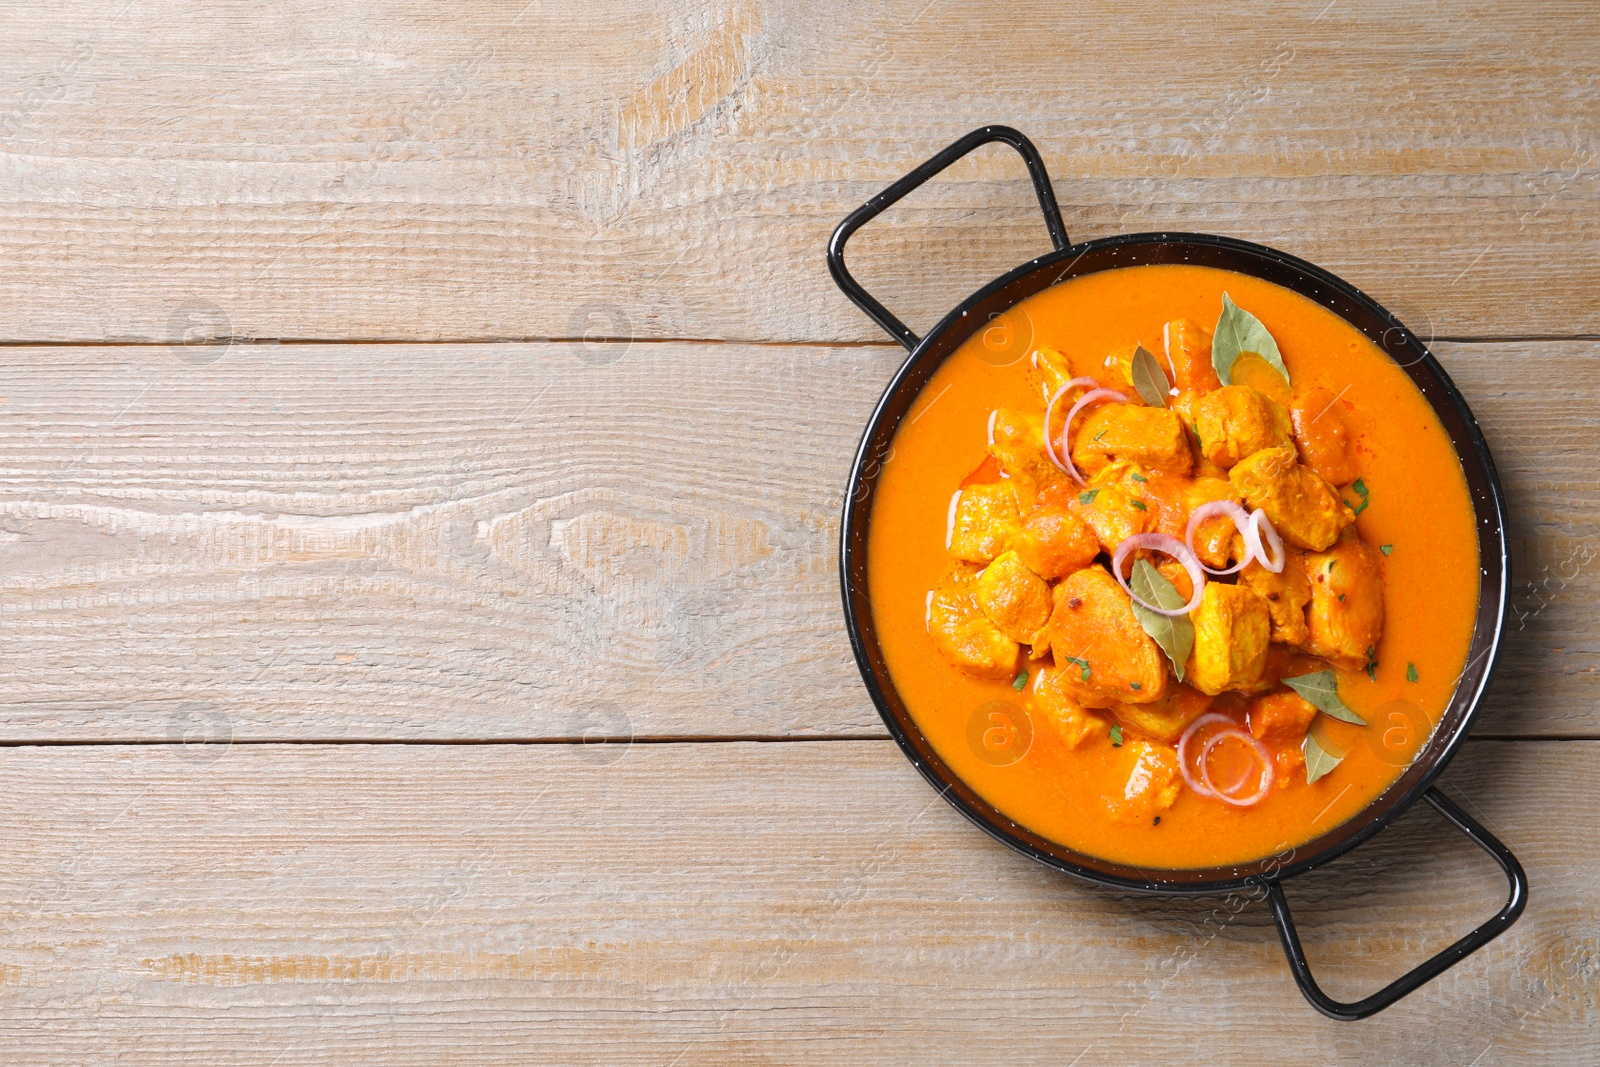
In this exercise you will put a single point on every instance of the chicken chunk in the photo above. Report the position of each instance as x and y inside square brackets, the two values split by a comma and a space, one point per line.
[1054, 371]
[1167, 718]
[1015, 599]
[1161, 494]
[1178, 575]
[1105, 654]
[1018, 446]
[1321, 436]
[1130, 476]
[1152, 783]
[1232, 629]
[1041, 643]
[1111, 510]
[1346, 617]
[1286, 593]
[963, 634]
[1052, 701]
[1280, 721]
[1304, 508]
[1217, 540]
[1053, 542]
[985, 521]
[1119, 370]
[1183, 404]
[1188, 349]
[1281, 717]
[1151, 437]
[1235, 421]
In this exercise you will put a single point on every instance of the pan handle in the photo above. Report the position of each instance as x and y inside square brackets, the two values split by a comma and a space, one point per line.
[1429, 970]
[875, 207]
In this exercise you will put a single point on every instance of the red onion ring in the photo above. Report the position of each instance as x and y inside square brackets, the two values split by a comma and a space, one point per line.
[1241, 522]
[1260, 524]
[1049, 413]
[1193, 728]
[1205, 768]
[1066, 430]
[1203, 786]
[1261, 753]
[1159, 542]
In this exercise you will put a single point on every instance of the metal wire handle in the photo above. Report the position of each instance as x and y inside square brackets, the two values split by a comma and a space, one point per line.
[1428, 970]
[876, 206]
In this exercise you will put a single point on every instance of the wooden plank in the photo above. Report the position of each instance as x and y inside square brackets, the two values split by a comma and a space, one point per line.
[1536, 403]
[510, 171]
[724, 904]
[480, 541]
[445, 542]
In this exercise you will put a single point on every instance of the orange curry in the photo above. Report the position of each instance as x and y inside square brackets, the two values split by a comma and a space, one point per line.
[1207, 611]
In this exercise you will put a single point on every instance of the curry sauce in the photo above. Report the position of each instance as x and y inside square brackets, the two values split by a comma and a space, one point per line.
[975, 540]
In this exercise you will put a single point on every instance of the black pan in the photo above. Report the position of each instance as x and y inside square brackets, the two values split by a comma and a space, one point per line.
[1068, 261]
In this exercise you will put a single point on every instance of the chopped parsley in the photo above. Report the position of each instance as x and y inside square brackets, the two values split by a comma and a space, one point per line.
[1138, 477]
[1372, 671]
[1116, 736]
[1140, 505]
[1082, 663]
[1411, 672]
[1360, 487]
[1088, 498]
[1386, 549]
[1136, 685]
[1022, 680]
[1099, 435]
[1341, 598]
[1372, 661]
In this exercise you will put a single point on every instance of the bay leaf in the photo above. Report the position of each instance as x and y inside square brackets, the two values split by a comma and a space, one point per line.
[1322, 690]
[1320, 757]
[1174, 633]
[1149, 380]
[1239, 332]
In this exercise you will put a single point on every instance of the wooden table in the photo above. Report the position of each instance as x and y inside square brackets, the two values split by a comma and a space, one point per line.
[525, 422]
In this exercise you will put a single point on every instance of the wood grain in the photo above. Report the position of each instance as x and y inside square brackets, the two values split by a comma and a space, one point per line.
[395, 171]
[620, 532]
[724, 904]
[451, 541]
[538, 541]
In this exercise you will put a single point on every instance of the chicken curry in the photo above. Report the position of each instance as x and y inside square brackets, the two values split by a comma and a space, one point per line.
[1173, 566]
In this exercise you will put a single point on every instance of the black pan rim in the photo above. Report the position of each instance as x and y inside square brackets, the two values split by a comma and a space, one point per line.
[1382, 810]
